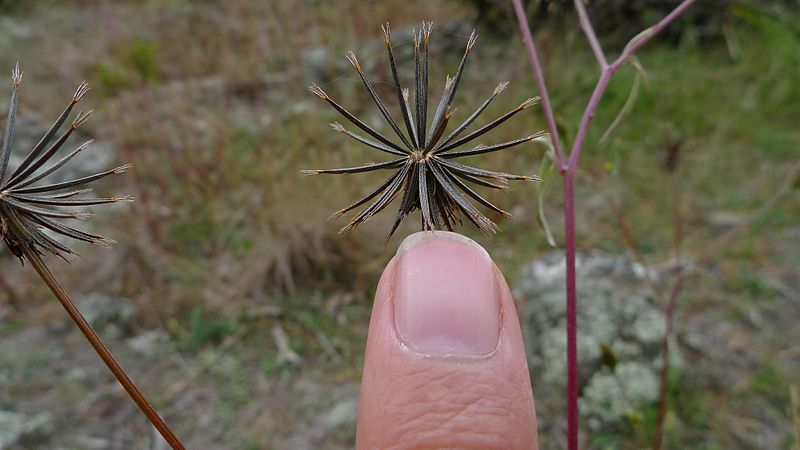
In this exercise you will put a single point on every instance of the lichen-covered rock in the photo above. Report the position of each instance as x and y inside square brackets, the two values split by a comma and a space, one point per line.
[621, 331]
[111, 315]
[15, 426]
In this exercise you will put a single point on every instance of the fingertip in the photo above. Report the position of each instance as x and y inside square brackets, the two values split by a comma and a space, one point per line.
[445, 363]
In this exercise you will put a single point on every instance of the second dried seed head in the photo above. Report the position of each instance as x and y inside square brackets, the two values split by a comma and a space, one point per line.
[425, 172]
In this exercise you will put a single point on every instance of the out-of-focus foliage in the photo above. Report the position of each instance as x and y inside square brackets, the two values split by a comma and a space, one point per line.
[620, 19]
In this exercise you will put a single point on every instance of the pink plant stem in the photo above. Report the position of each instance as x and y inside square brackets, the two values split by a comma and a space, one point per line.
[569, 168]
[538, 75]
[572, 311]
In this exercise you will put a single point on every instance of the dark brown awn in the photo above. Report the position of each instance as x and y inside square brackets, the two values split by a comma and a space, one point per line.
[425, 171]
[32, 210]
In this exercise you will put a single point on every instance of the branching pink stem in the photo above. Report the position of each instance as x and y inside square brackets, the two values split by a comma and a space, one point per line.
[569, 168]
[635, 44]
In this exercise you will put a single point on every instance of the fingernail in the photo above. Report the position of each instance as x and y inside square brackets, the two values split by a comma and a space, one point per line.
[446, 296]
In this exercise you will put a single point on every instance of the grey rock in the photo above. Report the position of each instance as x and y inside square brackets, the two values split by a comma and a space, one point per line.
[148, 343]
[621, 331]
[113, 316]
[15, 426]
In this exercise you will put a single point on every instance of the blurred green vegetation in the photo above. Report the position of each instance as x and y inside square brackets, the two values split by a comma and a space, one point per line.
[208, 100]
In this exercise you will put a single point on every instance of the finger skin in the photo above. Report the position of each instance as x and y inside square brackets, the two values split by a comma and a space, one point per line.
[409, 401]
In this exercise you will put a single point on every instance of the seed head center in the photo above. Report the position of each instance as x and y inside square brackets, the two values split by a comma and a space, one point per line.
[418, 156]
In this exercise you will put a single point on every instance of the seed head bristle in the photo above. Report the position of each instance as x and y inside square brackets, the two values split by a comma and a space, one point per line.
[473, 37]
[448, 112]
[16, 75]
[337, 214]
[82, 89]
[426, 31]
[448, 83]
[529, 102]
[85, 145]
[122, 169]
[309, 172]
[353, 60]
[338, 127]
[105, 242]
[387, 33]
[537, 135]
[318, 91]
[81, 118]
[500, 88]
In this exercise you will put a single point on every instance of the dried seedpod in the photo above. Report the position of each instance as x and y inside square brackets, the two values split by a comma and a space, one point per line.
[425, 171]
[31, 209]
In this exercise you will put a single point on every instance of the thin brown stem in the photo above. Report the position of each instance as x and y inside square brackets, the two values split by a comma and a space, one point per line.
[102, 351]
[669, 310]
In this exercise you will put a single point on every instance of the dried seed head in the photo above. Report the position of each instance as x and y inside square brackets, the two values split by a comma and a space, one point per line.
[28, 209]
[425, 176]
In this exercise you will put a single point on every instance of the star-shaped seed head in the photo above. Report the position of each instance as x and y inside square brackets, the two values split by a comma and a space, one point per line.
[30, 208]
[424, 168]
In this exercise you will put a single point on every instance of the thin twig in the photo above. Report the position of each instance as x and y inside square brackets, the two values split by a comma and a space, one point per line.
[669, 310]
[102, 351]
[538, 75]
[586, 25]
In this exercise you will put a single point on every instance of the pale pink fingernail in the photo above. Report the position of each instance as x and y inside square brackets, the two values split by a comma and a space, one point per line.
[446, 296]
